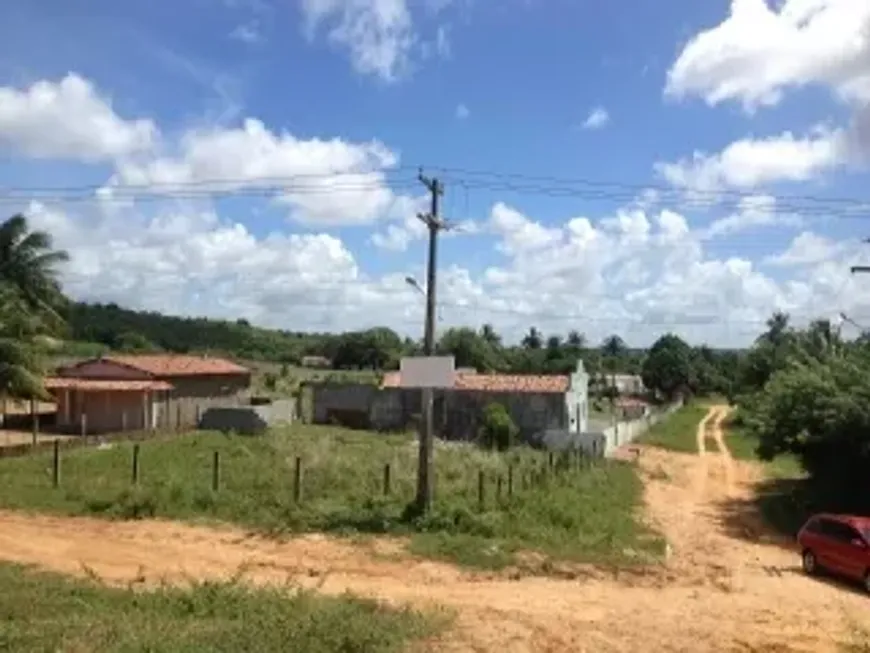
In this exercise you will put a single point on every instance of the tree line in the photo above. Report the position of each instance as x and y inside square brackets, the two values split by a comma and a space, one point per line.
[670, 366]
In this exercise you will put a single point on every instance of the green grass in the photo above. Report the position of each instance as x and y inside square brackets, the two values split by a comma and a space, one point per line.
[710, 444]
[47, 612]
[744, 446]
[783, 498]
[582, 514]
[679, 432]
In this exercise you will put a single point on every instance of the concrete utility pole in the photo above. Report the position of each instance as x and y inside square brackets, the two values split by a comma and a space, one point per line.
[424, 462]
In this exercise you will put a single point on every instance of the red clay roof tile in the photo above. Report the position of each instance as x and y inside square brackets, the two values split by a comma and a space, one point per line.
[169, 365]
[104, 385]
[497, 382]
[512, 383]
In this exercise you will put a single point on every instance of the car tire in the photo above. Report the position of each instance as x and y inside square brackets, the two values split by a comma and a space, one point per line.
[809, 563]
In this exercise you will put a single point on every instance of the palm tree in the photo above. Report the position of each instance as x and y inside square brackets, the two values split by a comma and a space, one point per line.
[533, 339]
[613, 349]
[576, 339]
[777, 328]
[613, 346]
[30, 299]
[488, 333]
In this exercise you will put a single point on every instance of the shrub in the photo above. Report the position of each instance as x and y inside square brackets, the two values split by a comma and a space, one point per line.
[497, 429]
[270, 381]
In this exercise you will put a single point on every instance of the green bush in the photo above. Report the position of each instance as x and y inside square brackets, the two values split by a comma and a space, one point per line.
[497, 430]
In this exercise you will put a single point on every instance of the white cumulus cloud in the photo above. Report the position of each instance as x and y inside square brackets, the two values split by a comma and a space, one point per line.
[753, 211]
[750, 163]
[636, 272]
[761, 50]
[758, 53]
[323, 181]
[69, 119]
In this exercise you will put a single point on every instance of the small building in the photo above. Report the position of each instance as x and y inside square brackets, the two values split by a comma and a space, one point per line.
[626, 384]
[536, 403]
[114, 393]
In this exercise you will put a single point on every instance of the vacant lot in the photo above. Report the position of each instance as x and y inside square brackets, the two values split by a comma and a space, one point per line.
[563, 509]
[47, 612]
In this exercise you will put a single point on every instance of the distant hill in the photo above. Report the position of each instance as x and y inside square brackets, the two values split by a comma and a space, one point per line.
[109, 326]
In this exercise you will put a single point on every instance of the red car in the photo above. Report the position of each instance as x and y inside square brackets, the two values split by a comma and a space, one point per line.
[839, 544]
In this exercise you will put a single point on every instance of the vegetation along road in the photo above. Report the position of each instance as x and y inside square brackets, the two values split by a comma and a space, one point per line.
[721, 588]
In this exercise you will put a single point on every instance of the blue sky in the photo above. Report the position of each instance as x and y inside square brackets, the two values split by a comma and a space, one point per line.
[465, 85]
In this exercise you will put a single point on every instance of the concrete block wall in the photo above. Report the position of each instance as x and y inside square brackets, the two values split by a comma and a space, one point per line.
[249, 420]
[626, 432]
[457, 413]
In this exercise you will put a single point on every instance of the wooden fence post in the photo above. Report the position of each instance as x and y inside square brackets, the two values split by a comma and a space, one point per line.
[84, 425]
[55, 465]
[481, 480]
[550, 458]
[387, 480]
[124, 421]
[178, 416]
[136, 464]
[297, 480]
[216, 471]
[510, 480]
[498, 484]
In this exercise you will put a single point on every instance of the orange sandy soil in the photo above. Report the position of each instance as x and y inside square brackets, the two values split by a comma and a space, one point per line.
[726, 585]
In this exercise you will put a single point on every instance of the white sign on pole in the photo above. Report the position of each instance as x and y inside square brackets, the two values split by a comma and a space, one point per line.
[427, 372]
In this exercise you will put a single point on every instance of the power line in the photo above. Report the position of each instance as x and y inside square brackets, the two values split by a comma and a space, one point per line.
[331, 182]
[579, 318]
[276, 180]
[636, 188]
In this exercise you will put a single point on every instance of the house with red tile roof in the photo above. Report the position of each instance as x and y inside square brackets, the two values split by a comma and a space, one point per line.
[134, 392]
[535, 402]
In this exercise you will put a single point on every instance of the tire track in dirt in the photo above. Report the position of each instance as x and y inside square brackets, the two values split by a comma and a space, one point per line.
[718, 592]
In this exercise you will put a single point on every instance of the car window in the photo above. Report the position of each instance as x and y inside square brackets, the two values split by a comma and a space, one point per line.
[814, 525]
[851, 533]
[836, 530]
[826, 527]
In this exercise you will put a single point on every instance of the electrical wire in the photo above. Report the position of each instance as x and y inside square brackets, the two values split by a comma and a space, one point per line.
[398, 178]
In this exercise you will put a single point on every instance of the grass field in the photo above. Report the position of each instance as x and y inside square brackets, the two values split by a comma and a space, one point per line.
[680, 431]
[47, 612]
[743, 446]
[586, 513]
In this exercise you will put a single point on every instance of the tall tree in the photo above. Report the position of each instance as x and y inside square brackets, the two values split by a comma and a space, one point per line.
[667, 368]
[469, 349]
[31, 302]
[489, 334]
[576, 340]
[613, 347]
[533, 339]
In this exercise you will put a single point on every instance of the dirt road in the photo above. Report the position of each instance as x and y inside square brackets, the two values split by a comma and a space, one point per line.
[718, 591]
